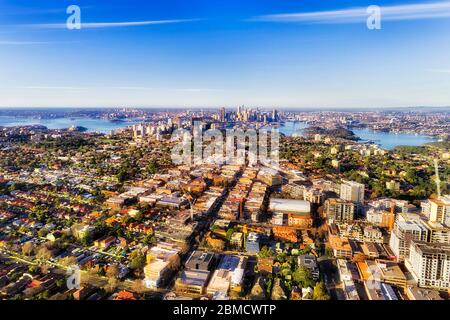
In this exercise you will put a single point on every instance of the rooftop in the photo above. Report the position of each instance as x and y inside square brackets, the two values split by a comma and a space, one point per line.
[289, 205]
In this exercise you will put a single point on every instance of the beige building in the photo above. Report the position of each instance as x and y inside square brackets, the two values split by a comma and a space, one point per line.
[352, 191]
[339, 210]
[438, 210]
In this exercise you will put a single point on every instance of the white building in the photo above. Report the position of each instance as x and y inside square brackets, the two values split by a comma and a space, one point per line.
[407, 228]
[228, 275]
[429, 264]
[289, 206]
[162, 260]
[437, 210]
[352, 191]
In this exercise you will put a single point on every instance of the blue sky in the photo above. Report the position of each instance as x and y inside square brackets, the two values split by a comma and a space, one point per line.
[205, 53]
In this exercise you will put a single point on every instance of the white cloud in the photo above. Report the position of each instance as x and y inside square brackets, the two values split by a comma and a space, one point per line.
[21, 43]
[438, 70]
[52, 88]
[98, 25]
[197, 90]
[351, 15]
[125, 88]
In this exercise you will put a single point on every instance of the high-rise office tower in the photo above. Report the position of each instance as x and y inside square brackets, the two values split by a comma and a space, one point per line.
[222, 114]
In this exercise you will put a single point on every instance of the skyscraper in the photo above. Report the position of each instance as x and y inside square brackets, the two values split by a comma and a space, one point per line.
[274, 115]
[222, 114]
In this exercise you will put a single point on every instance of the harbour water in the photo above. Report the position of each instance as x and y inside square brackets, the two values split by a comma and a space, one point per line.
[386, 140]
[92, 125]
[389, 140]
[291, 128]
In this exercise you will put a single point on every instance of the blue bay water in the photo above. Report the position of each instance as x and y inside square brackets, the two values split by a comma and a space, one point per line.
[386, 140]
[92, 125]
[290, 128]
[389, 140]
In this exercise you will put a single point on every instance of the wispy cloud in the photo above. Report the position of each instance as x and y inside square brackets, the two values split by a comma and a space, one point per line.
[198, 90]
[130, 88]
[351, 15]
[23, 43]
[52, 88]
[136, 88]
[98, 25]
[438, 70]
[15, 11]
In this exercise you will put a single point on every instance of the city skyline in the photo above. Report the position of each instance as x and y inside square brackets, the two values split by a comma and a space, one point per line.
[284, 54]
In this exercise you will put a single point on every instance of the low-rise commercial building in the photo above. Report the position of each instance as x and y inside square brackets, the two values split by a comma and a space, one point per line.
[192, 281]
[228, 276]
[296, 213]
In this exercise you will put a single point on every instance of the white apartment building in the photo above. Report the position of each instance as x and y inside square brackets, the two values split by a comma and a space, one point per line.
[438, 233]
[437, 210]
[407, 228]
[429, 264]
[352, 191]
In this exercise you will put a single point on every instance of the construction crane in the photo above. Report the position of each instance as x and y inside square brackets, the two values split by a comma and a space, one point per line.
[188, 196]
[438, 181]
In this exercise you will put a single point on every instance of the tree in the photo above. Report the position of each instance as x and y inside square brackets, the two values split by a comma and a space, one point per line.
[302, 276]
[266, 252]
[152, 167]
[68, 261]
[27, 248]
[229, 233]
[44, 253]
[112, 271]
[137, 260]
[139, 216]
[320, 292]
[41, 212]
[44, 295]
[148, 239]
[112, 284]
[42, 233]
[138, 286]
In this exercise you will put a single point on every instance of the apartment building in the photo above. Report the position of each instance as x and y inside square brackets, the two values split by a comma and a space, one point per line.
[162, 260]
[429, 264]
[339, 210]
[437, 210]
[340, 246]
[352, 191]
[438, 233]
[407, 228]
